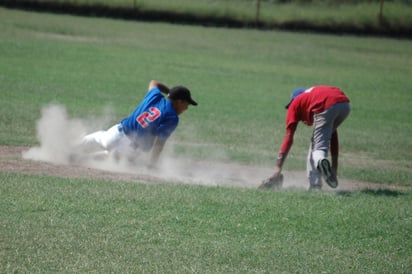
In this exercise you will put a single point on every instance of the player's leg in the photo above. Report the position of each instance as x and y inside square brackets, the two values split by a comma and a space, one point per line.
[111, 138]
[342, 112]
[323, 127]
[322, 132]
[92, 141]
[313, 173]
[101, 143]
[325, 124]
[88, 145]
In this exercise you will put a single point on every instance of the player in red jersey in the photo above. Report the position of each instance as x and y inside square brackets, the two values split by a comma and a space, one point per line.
[324, 108]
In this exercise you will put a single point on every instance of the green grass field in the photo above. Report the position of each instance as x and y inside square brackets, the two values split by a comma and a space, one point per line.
[242, 80]
[59, 225]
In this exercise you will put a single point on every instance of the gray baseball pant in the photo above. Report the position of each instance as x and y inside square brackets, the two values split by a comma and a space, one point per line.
[324, 124]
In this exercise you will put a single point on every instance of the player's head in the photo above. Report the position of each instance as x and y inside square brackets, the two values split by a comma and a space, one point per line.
[181, 98]
[295, 94]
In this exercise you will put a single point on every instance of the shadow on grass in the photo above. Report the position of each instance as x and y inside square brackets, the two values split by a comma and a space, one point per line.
[375, 192]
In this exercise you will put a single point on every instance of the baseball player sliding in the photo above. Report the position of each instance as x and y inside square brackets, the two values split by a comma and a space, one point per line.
[324, 107]
[147, 127]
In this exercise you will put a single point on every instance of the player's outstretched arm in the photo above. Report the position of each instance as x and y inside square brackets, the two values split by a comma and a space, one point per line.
[156, 150]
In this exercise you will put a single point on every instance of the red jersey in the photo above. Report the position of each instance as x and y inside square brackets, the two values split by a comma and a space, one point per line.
[313, 100]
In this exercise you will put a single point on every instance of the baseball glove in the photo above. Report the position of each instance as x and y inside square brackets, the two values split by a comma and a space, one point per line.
[275, 182]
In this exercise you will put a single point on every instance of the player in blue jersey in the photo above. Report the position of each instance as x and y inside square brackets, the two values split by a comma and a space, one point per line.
[147, 127]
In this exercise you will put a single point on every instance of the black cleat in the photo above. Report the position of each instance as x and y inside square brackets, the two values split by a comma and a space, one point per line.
[328, 175]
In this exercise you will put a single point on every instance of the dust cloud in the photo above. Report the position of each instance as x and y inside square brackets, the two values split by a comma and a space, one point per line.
[59, 137]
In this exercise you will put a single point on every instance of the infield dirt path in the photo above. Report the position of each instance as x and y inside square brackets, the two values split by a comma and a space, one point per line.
[181, 172]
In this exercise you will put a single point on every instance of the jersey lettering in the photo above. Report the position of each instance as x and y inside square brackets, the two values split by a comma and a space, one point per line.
[147, 117]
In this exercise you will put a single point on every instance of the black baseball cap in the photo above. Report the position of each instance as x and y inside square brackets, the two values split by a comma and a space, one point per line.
[181, 93]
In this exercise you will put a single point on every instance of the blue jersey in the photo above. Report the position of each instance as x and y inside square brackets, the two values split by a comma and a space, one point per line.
[154, 117]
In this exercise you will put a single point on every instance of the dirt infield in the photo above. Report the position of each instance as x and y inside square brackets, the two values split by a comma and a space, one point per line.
[184, 172]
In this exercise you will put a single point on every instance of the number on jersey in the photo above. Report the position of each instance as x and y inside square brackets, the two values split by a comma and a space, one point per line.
[147, 117]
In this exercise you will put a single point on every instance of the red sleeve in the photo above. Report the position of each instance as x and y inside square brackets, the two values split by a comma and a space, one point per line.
[286, 144]
[292, 119]
[288, 139]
